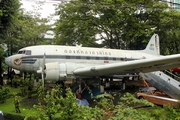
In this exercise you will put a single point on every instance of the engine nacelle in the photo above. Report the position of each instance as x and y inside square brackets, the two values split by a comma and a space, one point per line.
[55, 71]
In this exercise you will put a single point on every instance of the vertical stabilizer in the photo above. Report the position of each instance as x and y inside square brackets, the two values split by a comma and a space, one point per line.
[153, 46]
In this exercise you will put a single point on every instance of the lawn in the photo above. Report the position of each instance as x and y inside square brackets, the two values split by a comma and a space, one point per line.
[26, 105]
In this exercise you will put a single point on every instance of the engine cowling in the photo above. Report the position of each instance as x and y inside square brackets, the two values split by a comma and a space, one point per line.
[55, 71]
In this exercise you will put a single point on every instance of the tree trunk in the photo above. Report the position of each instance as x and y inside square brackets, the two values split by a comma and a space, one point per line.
[1, 78]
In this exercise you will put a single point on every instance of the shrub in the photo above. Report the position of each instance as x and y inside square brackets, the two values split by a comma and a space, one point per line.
[4, 91]
[10, 116]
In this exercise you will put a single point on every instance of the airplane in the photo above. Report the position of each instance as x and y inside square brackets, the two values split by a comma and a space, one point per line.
[61, 63]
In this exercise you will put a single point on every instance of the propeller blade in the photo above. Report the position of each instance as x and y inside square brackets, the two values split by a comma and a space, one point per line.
[42, 75]
[42, 69]
[43, 66]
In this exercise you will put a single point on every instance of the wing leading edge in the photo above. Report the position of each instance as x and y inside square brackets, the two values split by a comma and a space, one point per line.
[136, 66]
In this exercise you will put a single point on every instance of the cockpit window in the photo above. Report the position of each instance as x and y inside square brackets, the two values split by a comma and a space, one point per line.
[21, 52]
[27, 52]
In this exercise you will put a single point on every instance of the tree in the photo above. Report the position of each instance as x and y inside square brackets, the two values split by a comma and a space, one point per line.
[8, 13]
[168, 28]
[120, 24]
[29, 28]
[20, 29]
[75, 28]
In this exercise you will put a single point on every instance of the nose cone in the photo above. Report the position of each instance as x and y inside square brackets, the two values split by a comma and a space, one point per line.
[8, 61]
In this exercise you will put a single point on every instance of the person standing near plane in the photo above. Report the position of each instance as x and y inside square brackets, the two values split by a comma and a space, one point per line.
[82, 101]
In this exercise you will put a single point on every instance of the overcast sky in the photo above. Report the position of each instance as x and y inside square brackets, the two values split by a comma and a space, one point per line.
[47, 7]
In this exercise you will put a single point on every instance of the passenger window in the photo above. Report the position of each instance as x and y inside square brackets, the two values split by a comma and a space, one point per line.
[67, 57]
[87, 57]
[78, 57]
[114, 59]
[28, 52]
[105, 58]
[97, 58]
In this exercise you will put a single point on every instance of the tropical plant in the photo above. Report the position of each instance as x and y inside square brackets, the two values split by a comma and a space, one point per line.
[4, 94]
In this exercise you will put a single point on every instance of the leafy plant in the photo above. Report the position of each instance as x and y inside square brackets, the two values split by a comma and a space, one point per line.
[171, 112]
[4, 91]
[129, 99]
[64, 107]
[125, 108]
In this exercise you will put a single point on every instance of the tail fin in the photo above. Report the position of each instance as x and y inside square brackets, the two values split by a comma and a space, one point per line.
[153, 45]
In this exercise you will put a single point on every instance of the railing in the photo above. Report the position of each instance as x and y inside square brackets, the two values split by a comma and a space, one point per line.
[172, 75]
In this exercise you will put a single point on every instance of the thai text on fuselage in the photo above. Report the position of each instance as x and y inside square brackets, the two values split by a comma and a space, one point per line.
[87, 52]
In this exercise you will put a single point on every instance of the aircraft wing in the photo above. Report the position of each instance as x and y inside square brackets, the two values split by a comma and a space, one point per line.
[136, 66]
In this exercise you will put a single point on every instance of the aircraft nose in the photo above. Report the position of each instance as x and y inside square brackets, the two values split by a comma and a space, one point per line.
[8, 61]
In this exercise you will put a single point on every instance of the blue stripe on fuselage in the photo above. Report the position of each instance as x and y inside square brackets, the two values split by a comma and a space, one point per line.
[33, 58]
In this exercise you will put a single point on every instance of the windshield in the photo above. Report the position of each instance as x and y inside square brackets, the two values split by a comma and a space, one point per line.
[21, 52]
[27, 52]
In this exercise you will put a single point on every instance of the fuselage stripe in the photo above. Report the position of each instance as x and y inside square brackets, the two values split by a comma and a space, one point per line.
[32, 59]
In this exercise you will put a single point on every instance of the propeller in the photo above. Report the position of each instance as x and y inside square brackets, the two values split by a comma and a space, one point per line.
[41, 69]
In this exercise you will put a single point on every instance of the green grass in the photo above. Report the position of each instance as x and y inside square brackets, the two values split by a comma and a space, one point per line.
[25, 107]
[8, 107]
[14, 90]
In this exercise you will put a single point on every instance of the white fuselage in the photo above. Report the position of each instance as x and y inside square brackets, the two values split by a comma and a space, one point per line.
[29, 59]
